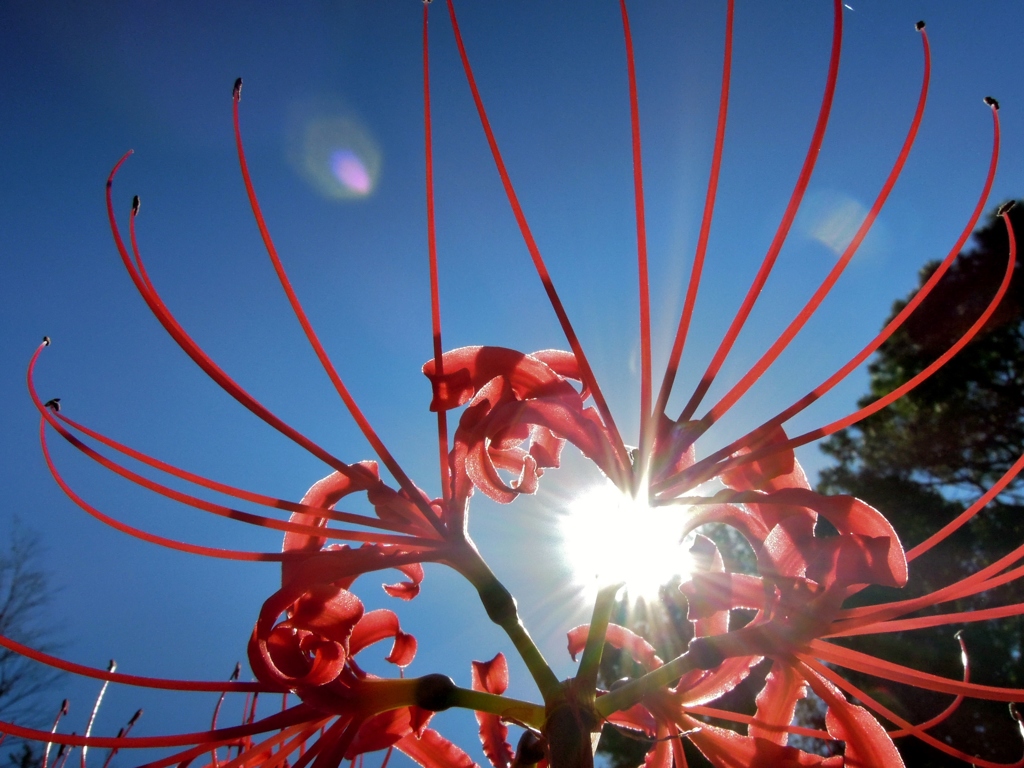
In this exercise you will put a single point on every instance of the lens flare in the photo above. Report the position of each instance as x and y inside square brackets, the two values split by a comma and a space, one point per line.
[608, 538]
[336, 154]
[351, 171]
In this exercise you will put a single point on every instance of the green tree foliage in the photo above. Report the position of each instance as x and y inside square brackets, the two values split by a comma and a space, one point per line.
[926, 457]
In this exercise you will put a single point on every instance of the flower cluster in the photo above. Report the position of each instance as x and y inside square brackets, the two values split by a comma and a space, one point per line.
[515, 413]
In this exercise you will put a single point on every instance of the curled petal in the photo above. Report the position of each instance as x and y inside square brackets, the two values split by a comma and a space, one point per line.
[407, 590]
[621, 638]
[309, 648]
[469, 369]
[710, 593]
[379, 625]
[745, 519]
[772, 472]
[852, 516]
[326, 493]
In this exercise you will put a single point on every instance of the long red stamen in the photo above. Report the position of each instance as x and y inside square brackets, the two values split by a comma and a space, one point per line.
[112, 667]
[953, 705]
[705, 224]
[641, 246]
[180, 546]
[586, 372]
[138, 681]
[124, 732]
[964, 517]
[976, 583]
[56, 721]
[300, 314]
[293, 737]
[784, 226]
[435, 291]
[235, 514]
[230, 490]
[193, 350]
[811, 666]
[707, 467]
[216, 712]
[217, 509]
[937, 620]
[205, 739]
[776, 349]
[906, 387]
[900, 391]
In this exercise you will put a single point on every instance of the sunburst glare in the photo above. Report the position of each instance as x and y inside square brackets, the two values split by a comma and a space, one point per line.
[608, 538]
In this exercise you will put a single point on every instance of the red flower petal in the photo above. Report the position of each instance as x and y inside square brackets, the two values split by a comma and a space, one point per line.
[492, 677]
[431, 750]
[618, 637]
[379, 625]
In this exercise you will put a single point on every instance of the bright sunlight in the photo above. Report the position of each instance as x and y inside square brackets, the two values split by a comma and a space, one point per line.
[608, 537]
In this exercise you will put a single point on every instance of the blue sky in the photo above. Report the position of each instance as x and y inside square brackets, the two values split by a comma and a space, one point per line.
[79, 85]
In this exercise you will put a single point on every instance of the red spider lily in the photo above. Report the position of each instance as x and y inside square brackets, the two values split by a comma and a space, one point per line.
[518, 411]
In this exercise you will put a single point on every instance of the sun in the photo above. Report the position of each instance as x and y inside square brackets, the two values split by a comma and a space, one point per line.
[609, 538]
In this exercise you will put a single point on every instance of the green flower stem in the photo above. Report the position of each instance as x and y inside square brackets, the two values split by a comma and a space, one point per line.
[632, 692]
[513, 710]
[501, 609]
[437, 693]
[586, 676]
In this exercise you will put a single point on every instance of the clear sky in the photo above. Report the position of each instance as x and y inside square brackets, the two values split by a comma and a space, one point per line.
[82, 83]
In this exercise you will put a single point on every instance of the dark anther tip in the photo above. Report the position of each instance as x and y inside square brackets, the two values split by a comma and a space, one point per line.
[46, 341]
[919, 26]
[53, 404]
[110, 183]
[135, 204]
[236, 92]
[427, 2]
[1006, 207]
[435, 693]
[135, 717]
[992, 102]
[237, 671]
[958, 634]
[64, 707]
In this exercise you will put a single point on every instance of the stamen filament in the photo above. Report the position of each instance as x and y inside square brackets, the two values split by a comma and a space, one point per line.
[784, 226]
[415, 496]
[706, 468]
[641, 249]
[705, 224]
[435, 291]
[769, 357]
[586, 372]
[195, 352]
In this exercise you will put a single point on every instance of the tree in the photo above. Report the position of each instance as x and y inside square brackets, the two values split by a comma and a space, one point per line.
[25, 617]
[930, 454]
